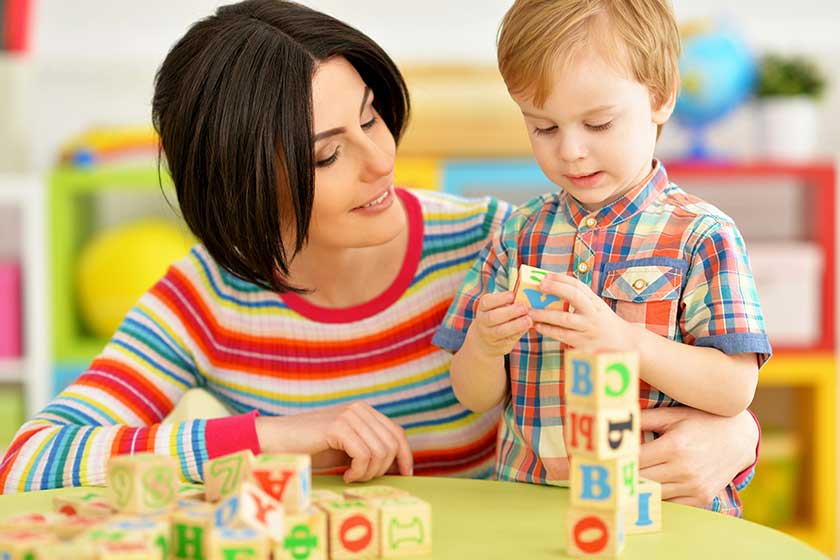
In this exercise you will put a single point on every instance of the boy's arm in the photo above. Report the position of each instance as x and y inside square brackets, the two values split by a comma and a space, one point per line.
[702, 378]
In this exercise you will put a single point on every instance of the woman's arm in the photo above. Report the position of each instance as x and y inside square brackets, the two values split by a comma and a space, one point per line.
[117, 405]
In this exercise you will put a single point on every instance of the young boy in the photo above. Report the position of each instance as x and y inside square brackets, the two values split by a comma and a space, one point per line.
[645, 267]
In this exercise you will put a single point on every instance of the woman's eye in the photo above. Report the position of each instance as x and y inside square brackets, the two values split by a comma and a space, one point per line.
[368, 125]
[330, 160]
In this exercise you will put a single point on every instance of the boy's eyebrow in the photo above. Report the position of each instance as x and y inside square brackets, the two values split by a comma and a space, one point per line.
[339, 130]
[592, 111]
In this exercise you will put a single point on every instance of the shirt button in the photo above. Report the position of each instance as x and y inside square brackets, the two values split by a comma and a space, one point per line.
[639, 285]
[590, 222]
[583, 268]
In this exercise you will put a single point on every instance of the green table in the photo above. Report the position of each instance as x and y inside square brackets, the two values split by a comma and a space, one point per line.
[485, 520]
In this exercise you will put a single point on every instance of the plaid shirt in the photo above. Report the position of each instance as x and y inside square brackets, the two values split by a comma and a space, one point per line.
[658, 256]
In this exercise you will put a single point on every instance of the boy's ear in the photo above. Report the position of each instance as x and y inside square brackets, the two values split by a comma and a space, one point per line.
[662, 113]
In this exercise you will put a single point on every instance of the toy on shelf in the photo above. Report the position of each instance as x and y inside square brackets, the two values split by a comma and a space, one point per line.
[116, 145]
[256, 507]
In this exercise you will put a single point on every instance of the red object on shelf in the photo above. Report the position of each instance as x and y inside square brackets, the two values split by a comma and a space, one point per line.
[821, 177]
[16, 23]
[10, 307]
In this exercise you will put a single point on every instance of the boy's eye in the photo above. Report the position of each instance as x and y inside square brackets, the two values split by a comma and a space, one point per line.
[599, 127]
[545, 131]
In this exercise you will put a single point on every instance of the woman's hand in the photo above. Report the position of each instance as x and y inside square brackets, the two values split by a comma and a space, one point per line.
[697, 453]
[372, 441]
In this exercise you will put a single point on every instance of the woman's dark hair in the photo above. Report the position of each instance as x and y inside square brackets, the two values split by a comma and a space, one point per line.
[233, 107]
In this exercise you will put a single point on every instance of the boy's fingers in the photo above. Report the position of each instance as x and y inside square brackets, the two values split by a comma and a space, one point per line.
[492, 301]
[512, 328]
[563, 319]
[576, 298]
[505, 314]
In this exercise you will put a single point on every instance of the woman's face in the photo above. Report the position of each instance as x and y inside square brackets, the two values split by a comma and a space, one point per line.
[355, 205]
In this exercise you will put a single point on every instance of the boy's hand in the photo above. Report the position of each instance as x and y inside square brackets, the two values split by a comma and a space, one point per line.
[593, 326]
[499, 323]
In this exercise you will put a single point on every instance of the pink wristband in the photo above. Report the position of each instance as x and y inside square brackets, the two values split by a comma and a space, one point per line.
[231, 434]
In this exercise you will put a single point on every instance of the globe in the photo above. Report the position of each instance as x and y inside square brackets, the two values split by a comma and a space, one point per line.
[717, 74]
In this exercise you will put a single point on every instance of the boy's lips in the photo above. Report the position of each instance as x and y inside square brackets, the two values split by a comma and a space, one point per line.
[585, 180]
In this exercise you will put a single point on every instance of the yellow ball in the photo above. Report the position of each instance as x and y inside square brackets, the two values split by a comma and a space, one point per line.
[118, 266]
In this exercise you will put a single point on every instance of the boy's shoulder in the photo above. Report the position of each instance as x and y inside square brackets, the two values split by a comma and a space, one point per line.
[548, 204]
[699, 214]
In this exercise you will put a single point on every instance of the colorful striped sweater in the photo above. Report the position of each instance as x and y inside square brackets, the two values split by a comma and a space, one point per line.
[262, 352]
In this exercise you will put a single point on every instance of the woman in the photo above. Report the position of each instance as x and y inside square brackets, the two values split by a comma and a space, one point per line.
[309, 305]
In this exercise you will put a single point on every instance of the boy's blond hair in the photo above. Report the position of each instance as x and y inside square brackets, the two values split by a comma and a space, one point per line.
[638, 37]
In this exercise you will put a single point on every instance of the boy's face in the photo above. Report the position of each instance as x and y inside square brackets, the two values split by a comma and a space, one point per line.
[596, 132]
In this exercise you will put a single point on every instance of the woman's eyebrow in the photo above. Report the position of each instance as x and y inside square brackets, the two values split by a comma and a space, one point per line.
[339, 130]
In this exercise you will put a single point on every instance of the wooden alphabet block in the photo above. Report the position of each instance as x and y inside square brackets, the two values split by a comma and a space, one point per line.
[604, 484]
[142, 483]
[187, 491]
[76, 525]
[191, 537]
[33, 521]
[353, 529]
[250, 507]
[603, 433]
[305, 537]
[285, 477]
[224, 475]
[22, 544]
[645, 514]
[373, 492]
[594, 532]
[324, 496]
[527, 289]
[155, 531]
[405, 527]
[127, 550]
[67, 550]
[603, 380]
[233, 543]
[89, 505]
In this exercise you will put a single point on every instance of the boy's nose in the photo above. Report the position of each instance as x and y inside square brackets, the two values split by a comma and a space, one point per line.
[571, 149]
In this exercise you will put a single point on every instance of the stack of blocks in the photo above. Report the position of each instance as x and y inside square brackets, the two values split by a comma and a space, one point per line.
[256, 507]
[602, 437]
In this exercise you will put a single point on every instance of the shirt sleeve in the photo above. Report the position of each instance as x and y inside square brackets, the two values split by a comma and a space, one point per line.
[488, 274]
[720, 307]
[118, 404]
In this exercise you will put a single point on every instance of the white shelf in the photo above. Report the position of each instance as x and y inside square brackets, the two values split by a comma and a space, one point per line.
[26, 192]
[12, 371]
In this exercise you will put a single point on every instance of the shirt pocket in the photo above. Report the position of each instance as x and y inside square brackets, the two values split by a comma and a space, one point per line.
[646, 294]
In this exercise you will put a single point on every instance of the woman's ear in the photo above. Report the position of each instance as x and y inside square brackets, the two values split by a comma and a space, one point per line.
[663, 112]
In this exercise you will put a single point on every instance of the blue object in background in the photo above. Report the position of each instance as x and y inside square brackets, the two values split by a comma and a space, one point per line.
[717, 73]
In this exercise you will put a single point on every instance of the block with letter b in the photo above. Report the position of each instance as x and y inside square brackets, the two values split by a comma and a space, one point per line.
[603, 483]
[527, 289]
[602, 433]
[645, 514]
[594, 532]
[602, 380]
[142, 483]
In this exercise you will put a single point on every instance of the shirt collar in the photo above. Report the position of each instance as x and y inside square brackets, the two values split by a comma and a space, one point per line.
[633, 201]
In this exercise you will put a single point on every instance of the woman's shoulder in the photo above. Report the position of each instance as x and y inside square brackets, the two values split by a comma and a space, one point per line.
[452, 211]
[199, 269]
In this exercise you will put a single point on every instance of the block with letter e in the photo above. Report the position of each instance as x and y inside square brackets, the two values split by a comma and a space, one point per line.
[603, 483]
[594, 532]
[602, 380]
[602, 433]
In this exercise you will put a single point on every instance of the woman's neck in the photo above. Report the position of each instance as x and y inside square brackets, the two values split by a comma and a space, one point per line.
[346, 277]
